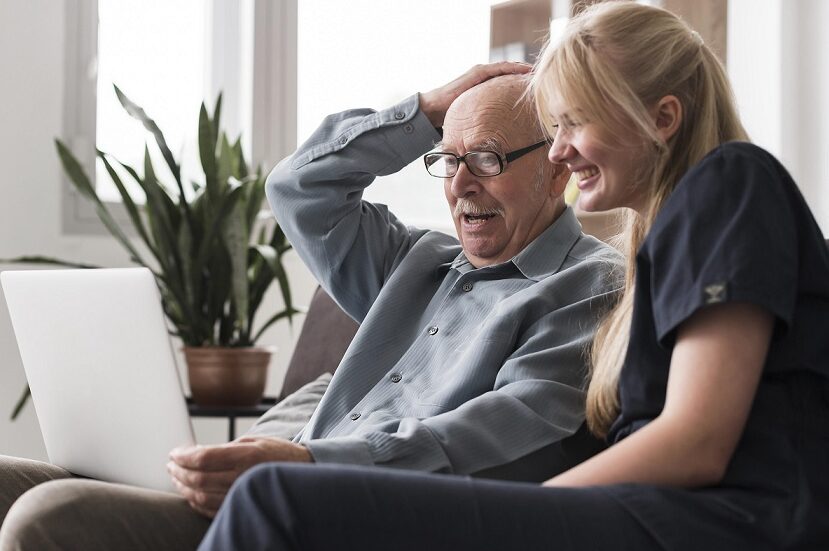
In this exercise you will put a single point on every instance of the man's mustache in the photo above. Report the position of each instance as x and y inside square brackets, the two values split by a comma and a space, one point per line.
[466, 206]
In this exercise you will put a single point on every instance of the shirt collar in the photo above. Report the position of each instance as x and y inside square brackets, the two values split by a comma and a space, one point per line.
[545, 255]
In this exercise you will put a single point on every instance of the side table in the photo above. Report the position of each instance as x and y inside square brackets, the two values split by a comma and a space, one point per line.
[232, 413]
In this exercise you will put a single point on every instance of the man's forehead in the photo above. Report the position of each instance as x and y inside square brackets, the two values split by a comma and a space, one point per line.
[483, 122]
[482, 142]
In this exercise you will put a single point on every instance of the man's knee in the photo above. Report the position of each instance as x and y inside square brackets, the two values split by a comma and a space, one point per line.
[91, 515]
[260, 479]
[42, 517]
[257, 511]
[271, 490]
[17, 476]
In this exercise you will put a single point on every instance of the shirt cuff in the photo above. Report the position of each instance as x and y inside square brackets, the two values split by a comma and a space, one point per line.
[413, 133]
[346, 449]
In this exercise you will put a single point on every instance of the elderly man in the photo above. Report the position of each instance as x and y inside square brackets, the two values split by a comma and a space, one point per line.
[470, 357]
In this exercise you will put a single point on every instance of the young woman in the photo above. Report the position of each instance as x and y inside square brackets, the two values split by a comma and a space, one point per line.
[711, 376]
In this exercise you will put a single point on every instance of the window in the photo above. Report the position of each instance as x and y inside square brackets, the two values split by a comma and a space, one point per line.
[165, 74]
[168, 57]
[365, 53]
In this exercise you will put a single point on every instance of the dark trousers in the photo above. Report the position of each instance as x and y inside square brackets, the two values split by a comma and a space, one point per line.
[310, 507]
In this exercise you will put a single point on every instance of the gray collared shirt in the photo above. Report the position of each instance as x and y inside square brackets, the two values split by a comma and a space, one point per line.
[453, 369]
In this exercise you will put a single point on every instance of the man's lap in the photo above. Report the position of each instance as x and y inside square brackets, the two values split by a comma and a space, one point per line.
[47, 506]
[18, 475]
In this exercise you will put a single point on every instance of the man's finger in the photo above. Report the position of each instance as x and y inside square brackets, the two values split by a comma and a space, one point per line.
[210, 458]
[506, 68]
[484, 72]
[207, 503]
[211, 481]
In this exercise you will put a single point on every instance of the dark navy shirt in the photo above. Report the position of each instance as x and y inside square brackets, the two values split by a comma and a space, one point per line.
[735, 229]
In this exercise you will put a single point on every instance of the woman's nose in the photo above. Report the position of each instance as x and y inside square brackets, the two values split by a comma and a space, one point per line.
[560, 151]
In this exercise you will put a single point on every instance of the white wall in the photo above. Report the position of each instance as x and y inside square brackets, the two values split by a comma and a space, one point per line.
[809, 93]
[778, 60]
[31, 111]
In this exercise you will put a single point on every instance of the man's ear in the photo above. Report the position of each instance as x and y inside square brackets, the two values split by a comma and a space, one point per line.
[667, 114]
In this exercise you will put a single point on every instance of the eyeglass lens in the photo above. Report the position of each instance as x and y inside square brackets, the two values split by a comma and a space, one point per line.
[480, 163]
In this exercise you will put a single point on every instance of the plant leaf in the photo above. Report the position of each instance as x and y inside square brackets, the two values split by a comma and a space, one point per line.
[129, 204]
[217, 117]
[235, 237]
[226, 207]
[256, 197]
[138, 113]
[82, 183]
[275, 318]
[185, 247]
[207, 153]
[217, 294]
[164, 220]
[21, 402]
[242, 167]
[272, 260]
[47, 261]
[225, 167]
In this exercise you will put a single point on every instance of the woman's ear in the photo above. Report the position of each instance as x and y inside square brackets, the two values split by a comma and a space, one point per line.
[667, 115]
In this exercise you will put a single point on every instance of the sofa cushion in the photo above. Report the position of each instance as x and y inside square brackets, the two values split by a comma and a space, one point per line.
[288, 417]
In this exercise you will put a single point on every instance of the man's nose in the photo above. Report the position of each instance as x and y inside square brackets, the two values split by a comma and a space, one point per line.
[464, 183]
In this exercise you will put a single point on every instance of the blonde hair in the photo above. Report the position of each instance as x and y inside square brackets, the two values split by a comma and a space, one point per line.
[615, 61]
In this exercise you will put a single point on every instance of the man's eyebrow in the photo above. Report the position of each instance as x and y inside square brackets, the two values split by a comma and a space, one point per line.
[487, 144]
[490, 144]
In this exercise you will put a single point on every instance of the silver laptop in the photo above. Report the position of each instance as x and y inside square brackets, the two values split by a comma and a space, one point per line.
[101, 368]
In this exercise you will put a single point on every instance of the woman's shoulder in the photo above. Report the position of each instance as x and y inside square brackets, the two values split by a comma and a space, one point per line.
[734, 172]
[732, 163]
[736, 181]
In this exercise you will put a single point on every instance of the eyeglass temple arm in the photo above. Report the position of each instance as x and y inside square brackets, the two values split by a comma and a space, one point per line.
[512, 155]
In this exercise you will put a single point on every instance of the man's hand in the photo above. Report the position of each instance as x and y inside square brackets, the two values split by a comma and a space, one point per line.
[204, 474]
[435, 103]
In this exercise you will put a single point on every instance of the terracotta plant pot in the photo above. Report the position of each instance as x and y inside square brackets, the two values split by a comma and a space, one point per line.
[227, 376]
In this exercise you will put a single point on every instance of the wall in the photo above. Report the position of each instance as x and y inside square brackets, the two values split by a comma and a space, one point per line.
[31, 111]
[778, 60]
[808, 90]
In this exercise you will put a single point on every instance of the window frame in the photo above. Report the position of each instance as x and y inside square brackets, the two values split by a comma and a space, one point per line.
[270, 81]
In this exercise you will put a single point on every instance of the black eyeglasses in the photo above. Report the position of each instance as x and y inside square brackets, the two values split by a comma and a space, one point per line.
[480, 163]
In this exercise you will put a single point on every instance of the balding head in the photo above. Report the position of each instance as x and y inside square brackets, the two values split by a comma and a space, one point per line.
[500, 105]
[498, 216]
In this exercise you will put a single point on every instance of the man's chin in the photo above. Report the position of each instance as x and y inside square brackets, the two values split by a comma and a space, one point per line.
[480, 254]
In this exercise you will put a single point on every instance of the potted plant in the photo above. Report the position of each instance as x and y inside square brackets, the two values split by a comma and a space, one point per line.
[212, 259]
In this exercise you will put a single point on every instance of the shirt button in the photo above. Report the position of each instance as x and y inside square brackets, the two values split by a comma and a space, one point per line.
[343, 140]
[354, 416]
[433, 329]
[399, 115]
[467, 286]
[396, 377]
[408, 128]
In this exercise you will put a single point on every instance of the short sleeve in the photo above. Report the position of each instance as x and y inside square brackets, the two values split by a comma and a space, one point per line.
[726, 234]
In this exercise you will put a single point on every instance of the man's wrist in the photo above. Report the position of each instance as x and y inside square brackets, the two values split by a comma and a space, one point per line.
[432, 111]
[306, 455]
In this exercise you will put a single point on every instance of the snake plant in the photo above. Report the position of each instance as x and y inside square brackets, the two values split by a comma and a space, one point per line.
[212, 259]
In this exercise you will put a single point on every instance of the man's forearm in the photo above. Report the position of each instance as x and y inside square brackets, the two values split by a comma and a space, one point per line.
[316, 194]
